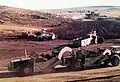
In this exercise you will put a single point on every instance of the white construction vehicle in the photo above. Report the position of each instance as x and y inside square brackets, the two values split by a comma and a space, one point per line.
[91, 38]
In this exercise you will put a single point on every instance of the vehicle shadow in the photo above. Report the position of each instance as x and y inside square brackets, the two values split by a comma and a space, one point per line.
[12, 74]
[7, 75]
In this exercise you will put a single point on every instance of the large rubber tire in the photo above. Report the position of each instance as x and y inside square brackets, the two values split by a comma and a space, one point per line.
[76, 65]
[100, 40]
[27, 70]
[115, 61]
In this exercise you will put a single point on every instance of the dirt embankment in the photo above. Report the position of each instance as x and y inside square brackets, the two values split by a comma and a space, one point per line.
[29, 18]
[64, 28]
[108, 29]
[16, 20]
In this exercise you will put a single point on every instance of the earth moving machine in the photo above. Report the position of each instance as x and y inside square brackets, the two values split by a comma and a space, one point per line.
[63, 57]
[91, 38]
[37, 36]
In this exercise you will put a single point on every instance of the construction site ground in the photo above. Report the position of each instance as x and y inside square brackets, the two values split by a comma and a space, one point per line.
[15, 48]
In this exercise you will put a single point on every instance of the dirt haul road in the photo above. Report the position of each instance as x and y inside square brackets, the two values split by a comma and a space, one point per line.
[108, 74]
[10, 49]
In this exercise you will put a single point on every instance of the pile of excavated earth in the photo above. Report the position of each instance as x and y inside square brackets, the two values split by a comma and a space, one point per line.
[13, 21]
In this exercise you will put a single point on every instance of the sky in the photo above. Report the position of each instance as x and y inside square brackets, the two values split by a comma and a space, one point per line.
[57, 4]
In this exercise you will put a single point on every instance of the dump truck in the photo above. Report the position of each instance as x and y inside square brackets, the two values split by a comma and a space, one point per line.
[64, 57]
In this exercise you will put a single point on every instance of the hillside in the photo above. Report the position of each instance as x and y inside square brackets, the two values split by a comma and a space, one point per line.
[14, 20]
[24, 17]
[85, 8]
[108, 10]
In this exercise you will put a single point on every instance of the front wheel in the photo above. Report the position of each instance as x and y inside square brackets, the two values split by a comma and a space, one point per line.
[76, 65]
[100, 40]
[27, 70]
[115, 61]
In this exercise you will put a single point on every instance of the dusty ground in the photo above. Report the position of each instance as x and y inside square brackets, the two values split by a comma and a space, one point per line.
[15, 48]
[36, 20]
[109, 74]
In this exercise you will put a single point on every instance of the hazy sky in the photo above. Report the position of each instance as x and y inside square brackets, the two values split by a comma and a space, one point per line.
[56, 4]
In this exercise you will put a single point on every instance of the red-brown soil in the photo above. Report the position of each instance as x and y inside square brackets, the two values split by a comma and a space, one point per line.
[10, 49]
[15, 48]
[64, 28]
[14, 22]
